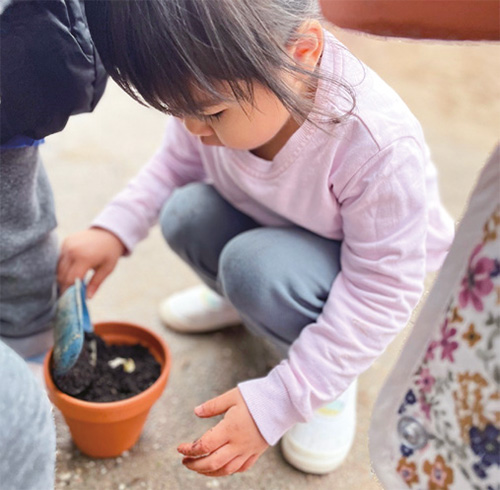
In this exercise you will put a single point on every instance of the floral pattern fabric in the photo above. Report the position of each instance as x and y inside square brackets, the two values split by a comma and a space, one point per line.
[436, 422]
[454, 392]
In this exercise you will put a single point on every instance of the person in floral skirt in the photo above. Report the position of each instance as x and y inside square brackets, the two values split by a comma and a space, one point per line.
[442, 398]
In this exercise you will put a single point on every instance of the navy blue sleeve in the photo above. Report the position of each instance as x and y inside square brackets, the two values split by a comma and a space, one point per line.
[49, 67]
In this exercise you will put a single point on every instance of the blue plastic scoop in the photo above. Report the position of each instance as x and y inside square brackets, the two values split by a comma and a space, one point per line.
[72, 320]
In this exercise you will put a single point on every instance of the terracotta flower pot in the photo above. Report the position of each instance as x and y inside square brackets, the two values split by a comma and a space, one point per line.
[105, 430]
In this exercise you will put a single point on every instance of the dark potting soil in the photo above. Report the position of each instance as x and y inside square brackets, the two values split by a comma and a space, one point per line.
[102, 382]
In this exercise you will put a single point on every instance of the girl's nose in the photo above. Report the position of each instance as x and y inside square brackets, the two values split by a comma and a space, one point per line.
[197, 126]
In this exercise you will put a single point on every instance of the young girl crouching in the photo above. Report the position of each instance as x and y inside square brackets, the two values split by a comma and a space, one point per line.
[298, 186]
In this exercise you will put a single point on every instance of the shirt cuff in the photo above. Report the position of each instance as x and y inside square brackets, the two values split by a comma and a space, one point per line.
[126, 225]
[270, 405]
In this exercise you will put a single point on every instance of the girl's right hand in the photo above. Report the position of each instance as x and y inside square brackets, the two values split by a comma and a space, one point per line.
[95, 249]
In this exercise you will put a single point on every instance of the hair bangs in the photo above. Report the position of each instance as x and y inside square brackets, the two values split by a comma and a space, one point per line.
[174, 55]
[172, 70]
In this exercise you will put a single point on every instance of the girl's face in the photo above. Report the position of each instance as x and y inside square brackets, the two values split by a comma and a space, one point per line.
[265, 125]
[242, 125]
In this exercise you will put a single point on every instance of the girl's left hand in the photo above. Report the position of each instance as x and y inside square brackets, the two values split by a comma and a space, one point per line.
[232, 446]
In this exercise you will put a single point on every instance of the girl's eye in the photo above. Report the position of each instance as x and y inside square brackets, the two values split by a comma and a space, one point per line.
[214, 117]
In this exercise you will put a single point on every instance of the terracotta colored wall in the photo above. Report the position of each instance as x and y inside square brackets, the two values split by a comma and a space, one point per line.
[433, 19]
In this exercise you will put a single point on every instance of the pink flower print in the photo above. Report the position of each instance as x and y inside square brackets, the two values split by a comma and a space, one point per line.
[477, 281]
[429, 355]
[425, 406]
[426, 380]
[448, 347]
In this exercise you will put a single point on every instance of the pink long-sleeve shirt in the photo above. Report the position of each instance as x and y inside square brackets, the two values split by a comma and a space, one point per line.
[368, 182]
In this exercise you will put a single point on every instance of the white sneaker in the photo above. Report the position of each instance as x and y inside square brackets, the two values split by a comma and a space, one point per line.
[197, 310]
[321, 445]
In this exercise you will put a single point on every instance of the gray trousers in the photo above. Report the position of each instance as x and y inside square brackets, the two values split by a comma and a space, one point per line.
[28, 251]
[277, 278]
[27, 429]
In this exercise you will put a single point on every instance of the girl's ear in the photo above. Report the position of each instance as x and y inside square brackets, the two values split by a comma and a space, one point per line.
[306, 50]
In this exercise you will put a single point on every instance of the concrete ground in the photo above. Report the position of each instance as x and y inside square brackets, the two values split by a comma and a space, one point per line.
[454, 91]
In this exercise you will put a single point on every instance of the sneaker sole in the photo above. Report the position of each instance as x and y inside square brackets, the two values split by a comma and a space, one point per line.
[310, 462]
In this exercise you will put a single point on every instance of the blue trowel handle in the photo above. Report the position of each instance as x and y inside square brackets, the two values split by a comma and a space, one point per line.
[85, 317]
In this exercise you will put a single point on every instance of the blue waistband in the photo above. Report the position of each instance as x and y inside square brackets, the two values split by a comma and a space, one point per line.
[21, 142]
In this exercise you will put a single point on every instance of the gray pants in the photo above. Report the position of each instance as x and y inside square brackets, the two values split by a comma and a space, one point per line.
[27, 429]
[28, 251]
[277, 278]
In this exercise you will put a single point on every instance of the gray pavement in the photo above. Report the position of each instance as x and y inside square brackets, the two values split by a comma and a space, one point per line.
[454, 91]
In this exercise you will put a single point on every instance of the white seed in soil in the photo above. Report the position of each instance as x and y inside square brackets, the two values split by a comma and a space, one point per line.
[93, 353]
[117, 361]
[128, 364]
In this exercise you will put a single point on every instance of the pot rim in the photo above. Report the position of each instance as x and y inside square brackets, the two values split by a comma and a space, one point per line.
[64, 401]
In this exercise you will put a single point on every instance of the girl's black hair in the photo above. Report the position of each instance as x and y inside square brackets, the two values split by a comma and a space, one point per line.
[161, 52]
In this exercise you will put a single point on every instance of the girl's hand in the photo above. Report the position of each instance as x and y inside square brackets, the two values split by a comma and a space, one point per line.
[95, 249]
[232, 446]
